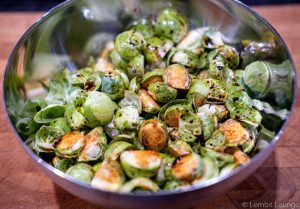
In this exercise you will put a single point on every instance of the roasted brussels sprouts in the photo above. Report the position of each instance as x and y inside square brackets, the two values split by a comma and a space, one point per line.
[217, 141]
[70, 145]
[179, 148]
[153, 135]
[131, 99]
[212, 38]
[188, 59]
[153, 76]
[140, 183]
[188, 167]
[230, 55]
[162, 93]
[171, 24]
[208, 123]
[136, 67]
[210, 170]
[75, 119]
[117, 60]
[95, 144]
[140, 163]
[220, 158]
[134, 85]
[173, 113]
[86, 79]
[129, 44]
[115, 149]
[127, 118]
[62, 124]
[109, 176]
[82, 172]
[144, 27]
[239, 156]
[220, 111]
[113, 85]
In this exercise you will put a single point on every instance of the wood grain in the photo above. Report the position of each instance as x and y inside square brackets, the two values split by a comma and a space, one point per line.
[24, 185]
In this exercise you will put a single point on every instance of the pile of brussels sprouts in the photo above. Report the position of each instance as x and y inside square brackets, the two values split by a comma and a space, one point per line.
[163, 108]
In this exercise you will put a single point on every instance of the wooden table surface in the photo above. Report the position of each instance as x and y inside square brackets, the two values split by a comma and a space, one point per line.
[24, 185]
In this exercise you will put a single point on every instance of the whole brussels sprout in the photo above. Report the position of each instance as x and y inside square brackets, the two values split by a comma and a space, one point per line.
[129, 44]
[98, 109]
[95, 144]
[70, 145]
[153, 135]
[82, 172]
[62, 124]
[86, 79]
[140, 163]
[162, 93]
[127, 118]
[143, 26]
[115, 149]
[188, 59]
[109, 176]
[117, 60]
[188, 167]
[153, 76]
[46, 139]
[113, 85]
[50, 113]
[75, 119]
[136, 67]
[212, 38]
[171, 24]
[140, 183]
[62, 164]
[156, 50]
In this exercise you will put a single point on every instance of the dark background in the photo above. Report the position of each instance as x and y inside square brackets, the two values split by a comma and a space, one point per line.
[44, 5]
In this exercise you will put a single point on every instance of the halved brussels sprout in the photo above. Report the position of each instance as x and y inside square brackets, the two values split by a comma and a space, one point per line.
[210, 171]
[113, 85]
[178, 77]
[27, 126]
[50, 113]
[129, 44]
[109, 176]
[78, 97]
[249, 145]
[115, 149]
[188, 59]
[86, 79]
[235, 133]
[82, 172]
[148, 103]
[230, 55]
[98, 109]
[220, 158]
[239, 156]
[62, 124]
[46, 139]
[95, 144]
[117, 60]
[127, 118]
[162, 93]
[70, 145]
[153, 135]
[217, 141]
[179, 148]
[143, 26]
[220, 111]
[208, 124]
[156, 50]
[171, 25]
[74, 118]
[212, 38]
[140, 163]
[162, 111]
[211, 89]
[153, 76]
[62, 164]
[136, 67]
[192, 41]
[188, 167]
[131, 99]
[140, 183]
[247, 115]
[174, 112]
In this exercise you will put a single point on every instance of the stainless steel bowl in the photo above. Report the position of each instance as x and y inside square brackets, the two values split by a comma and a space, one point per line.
[73, 31]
